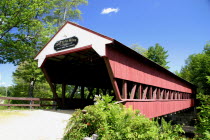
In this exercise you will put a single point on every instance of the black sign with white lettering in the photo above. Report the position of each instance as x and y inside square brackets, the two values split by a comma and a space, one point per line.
[66, 43]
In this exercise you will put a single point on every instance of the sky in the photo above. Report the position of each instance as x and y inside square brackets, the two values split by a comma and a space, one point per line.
[182, 27]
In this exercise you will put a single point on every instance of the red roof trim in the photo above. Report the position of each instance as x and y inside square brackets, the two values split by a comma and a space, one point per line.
[106, 37]
[74, 24]
[70, 51]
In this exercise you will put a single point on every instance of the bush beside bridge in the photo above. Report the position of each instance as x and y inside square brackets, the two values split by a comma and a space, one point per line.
[115, 122]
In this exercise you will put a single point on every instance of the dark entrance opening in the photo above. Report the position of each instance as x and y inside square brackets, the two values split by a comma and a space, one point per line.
[84, 72]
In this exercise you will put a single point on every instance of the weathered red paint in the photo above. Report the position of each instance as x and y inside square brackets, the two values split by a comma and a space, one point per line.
[159, 91]
[158, 108]
[127, 67]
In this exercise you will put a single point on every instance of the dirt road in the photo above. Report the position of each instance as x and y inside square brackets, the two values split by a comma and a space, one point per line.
[33, 125]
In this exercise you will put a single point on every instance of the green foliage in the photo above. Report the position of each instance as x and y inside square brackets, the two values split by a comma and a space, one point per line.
[5, 91]
[26, 73]
[115, 122]
[26, 25]
[158, 54]
[203, 126]
[2, 91]
[168, 131]
[197, 70]
[139, 49]
[28, 70]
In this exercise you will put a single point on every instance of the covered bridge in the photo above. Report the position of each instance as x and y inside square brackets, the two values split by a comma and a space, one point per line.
[94, 63]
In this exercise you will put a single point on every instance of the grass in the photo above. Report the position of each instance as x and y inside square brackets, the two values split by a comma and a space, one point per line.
[7, 115]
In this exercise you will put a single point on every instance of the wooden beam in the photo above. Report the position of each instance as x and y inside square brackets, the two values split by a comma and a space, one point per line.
[133, 91]
[150, 92]
[140, 91]
[175, 95]
[52, 86]
[154, 94]
[73, 92]
[113, 80]
[124, 89]
[172, 95]
[161, 94]
[145, 92]
[158, 93]
[167, 94]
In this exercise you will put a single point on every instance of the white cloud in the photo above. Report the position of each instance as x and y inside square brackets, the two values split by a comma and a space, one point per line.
[109, 10]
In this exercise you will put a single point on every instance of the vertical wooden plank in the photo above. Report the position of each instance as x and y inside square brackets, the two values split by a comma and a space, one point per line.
[175, 93]
[161, 94]
[171, 96]
[133, 91]
[32, 102]
[181, 95]
[150, 92]
[9, 103]
[167, 94]
[140, 91]
[158, 93]
[124, 89]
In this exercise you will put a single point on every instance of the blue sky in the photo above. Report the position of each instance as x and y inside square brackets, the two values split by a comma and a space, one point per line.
[182, 27]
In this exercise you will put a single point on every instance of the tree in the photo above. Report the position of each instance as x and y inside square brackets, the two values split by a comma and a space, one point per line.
[197, 70]
[25, 26]
[139, 49]
[27, 72]
[158, 54]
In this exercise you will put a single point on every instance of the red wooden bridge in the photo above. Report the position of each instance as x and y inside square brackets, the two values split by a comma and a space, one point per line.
[93, 63]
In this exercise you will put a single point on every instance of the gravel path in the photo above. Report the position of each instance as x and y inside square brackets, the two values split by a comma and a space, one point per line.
[33, 125]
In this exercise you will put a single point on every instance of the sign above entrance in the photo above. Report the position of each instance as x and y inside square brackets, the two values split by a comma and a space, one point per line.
[66, 43]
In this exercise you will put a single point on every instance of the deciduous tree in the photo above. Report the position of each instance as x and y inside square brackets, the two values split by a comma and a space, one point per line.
[26, 25]
[197, 70]
[139, 49]
[158, 54]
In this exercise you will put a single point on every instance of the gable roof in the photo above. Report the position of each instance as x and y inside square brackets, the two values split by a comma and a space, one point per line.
[79, 26]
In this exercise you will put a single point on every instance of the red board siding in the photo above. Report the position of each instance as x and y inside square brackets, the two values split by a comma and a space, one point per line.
[159, 108]
[128, 68]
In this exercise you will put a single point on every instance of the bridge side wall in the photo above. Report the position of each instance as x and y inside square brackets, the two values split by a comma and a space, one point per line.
[126, 67]
[159, 108]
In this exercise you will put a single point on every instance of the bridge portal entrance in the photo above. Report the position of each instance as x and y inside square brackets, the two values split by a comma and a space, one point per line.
[80, 74]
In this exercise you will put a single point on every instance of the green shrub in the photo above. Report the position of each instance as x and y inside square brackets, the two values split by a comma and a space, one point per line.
[112, 121]
[203, 124]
